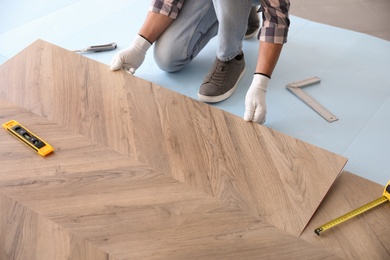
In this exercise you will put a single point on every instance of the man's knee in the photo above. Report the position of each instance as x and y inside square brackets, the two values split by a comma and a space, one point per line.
[168, 58]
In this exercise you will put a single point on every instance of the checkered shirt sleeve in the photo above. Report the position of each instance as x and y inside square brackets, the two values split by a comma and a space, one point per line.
[275, 21]
[274, 12]
[169, 8]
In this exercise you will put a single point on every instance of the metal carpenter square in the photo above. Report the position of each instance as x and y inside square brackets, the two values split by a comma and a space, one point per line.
[295, 88]
[305, 82]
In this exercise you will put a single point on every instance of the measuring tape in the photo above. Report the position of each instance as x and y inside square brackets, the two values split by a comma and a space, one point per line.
[385, 197]
[295, 88]
[28, 138]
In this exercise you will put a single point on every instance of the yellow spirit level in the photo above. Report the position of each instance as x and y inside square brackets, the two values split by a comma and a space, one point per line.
[28, 138]
[385, 197]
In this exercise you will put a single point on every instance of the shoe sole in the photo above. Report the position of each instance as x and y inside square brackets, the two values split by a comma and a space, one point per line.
[215, 99]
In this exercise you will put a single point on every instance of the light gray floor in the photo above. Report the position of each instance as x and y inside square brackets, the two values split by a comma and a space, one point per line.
[336, 41]
[370, 17]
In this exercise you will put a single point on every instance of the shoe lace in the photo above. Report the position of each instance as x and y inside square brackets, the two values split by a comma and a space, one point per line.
[218, 77]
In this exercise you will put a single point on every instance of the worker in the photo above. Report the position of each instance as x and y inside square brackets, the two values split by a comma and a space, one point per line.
[180, 29]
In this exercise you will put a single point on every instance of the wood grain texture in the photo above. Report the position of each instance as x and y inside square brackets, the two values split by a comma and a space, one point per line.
[141, 172]
[120, 210]
[229, 233]
[366, 236]
[27, 235]
[265, 172]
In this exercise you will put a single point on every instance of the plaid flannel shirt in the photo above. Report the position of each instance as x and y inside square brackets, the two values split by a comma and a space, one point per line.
[274, 12]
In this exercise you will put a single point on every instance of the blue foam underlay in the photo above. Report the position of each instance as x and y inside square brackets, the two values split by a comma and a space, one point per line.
[353, 68]
[14, 13]
[2, 59]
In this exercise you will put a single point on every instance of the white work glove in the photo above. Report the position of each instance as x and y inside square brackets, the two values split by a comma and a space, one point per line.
[132, 57]
[255, 106]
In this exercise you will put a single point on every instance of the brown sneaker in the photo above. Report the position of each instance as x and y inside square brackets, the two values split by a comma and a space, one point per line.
[222, 79]
[253, 23]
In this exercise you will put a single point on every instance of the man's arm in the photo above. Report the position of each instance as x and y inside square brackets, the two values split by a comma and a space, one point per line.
[160, 16]
[268, 57]
[273, 35]
[154, 25]
[133, 57]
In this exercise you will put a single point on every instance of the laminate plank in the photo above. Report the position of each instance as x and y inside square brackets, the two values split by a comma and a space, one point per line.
[119, 210]
[72, 154]
[125, 222]
[95, 208]
[116, 206]
[224, 232]
[266, 173]
[366, 236]
[137, 222]
[143, 172]
[26, 235]
[128, 230]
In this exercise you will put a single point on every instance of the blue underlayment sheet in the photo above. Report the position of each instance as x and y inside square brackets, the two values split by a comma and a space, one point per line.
[353, 68]
[14, 13]
[2, 59]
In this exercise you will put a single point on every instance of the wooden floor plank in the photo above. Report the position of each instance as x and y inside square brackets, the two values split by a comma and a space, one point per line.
[102, 198]
[218, 231]
[30, 236]
[73, 153]
[195, 143]
[122, 210]
[141, 172]
[366, 236]
[125, 223]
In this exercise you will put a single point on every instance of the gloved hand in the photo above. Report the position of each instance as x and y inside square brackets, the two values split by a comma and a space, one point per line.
[132, 57]
[255, 106]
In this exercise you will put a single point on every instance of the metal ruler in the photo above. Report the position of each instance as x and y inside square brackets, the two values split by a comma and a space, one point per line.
[385, 197]
[295, 88]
